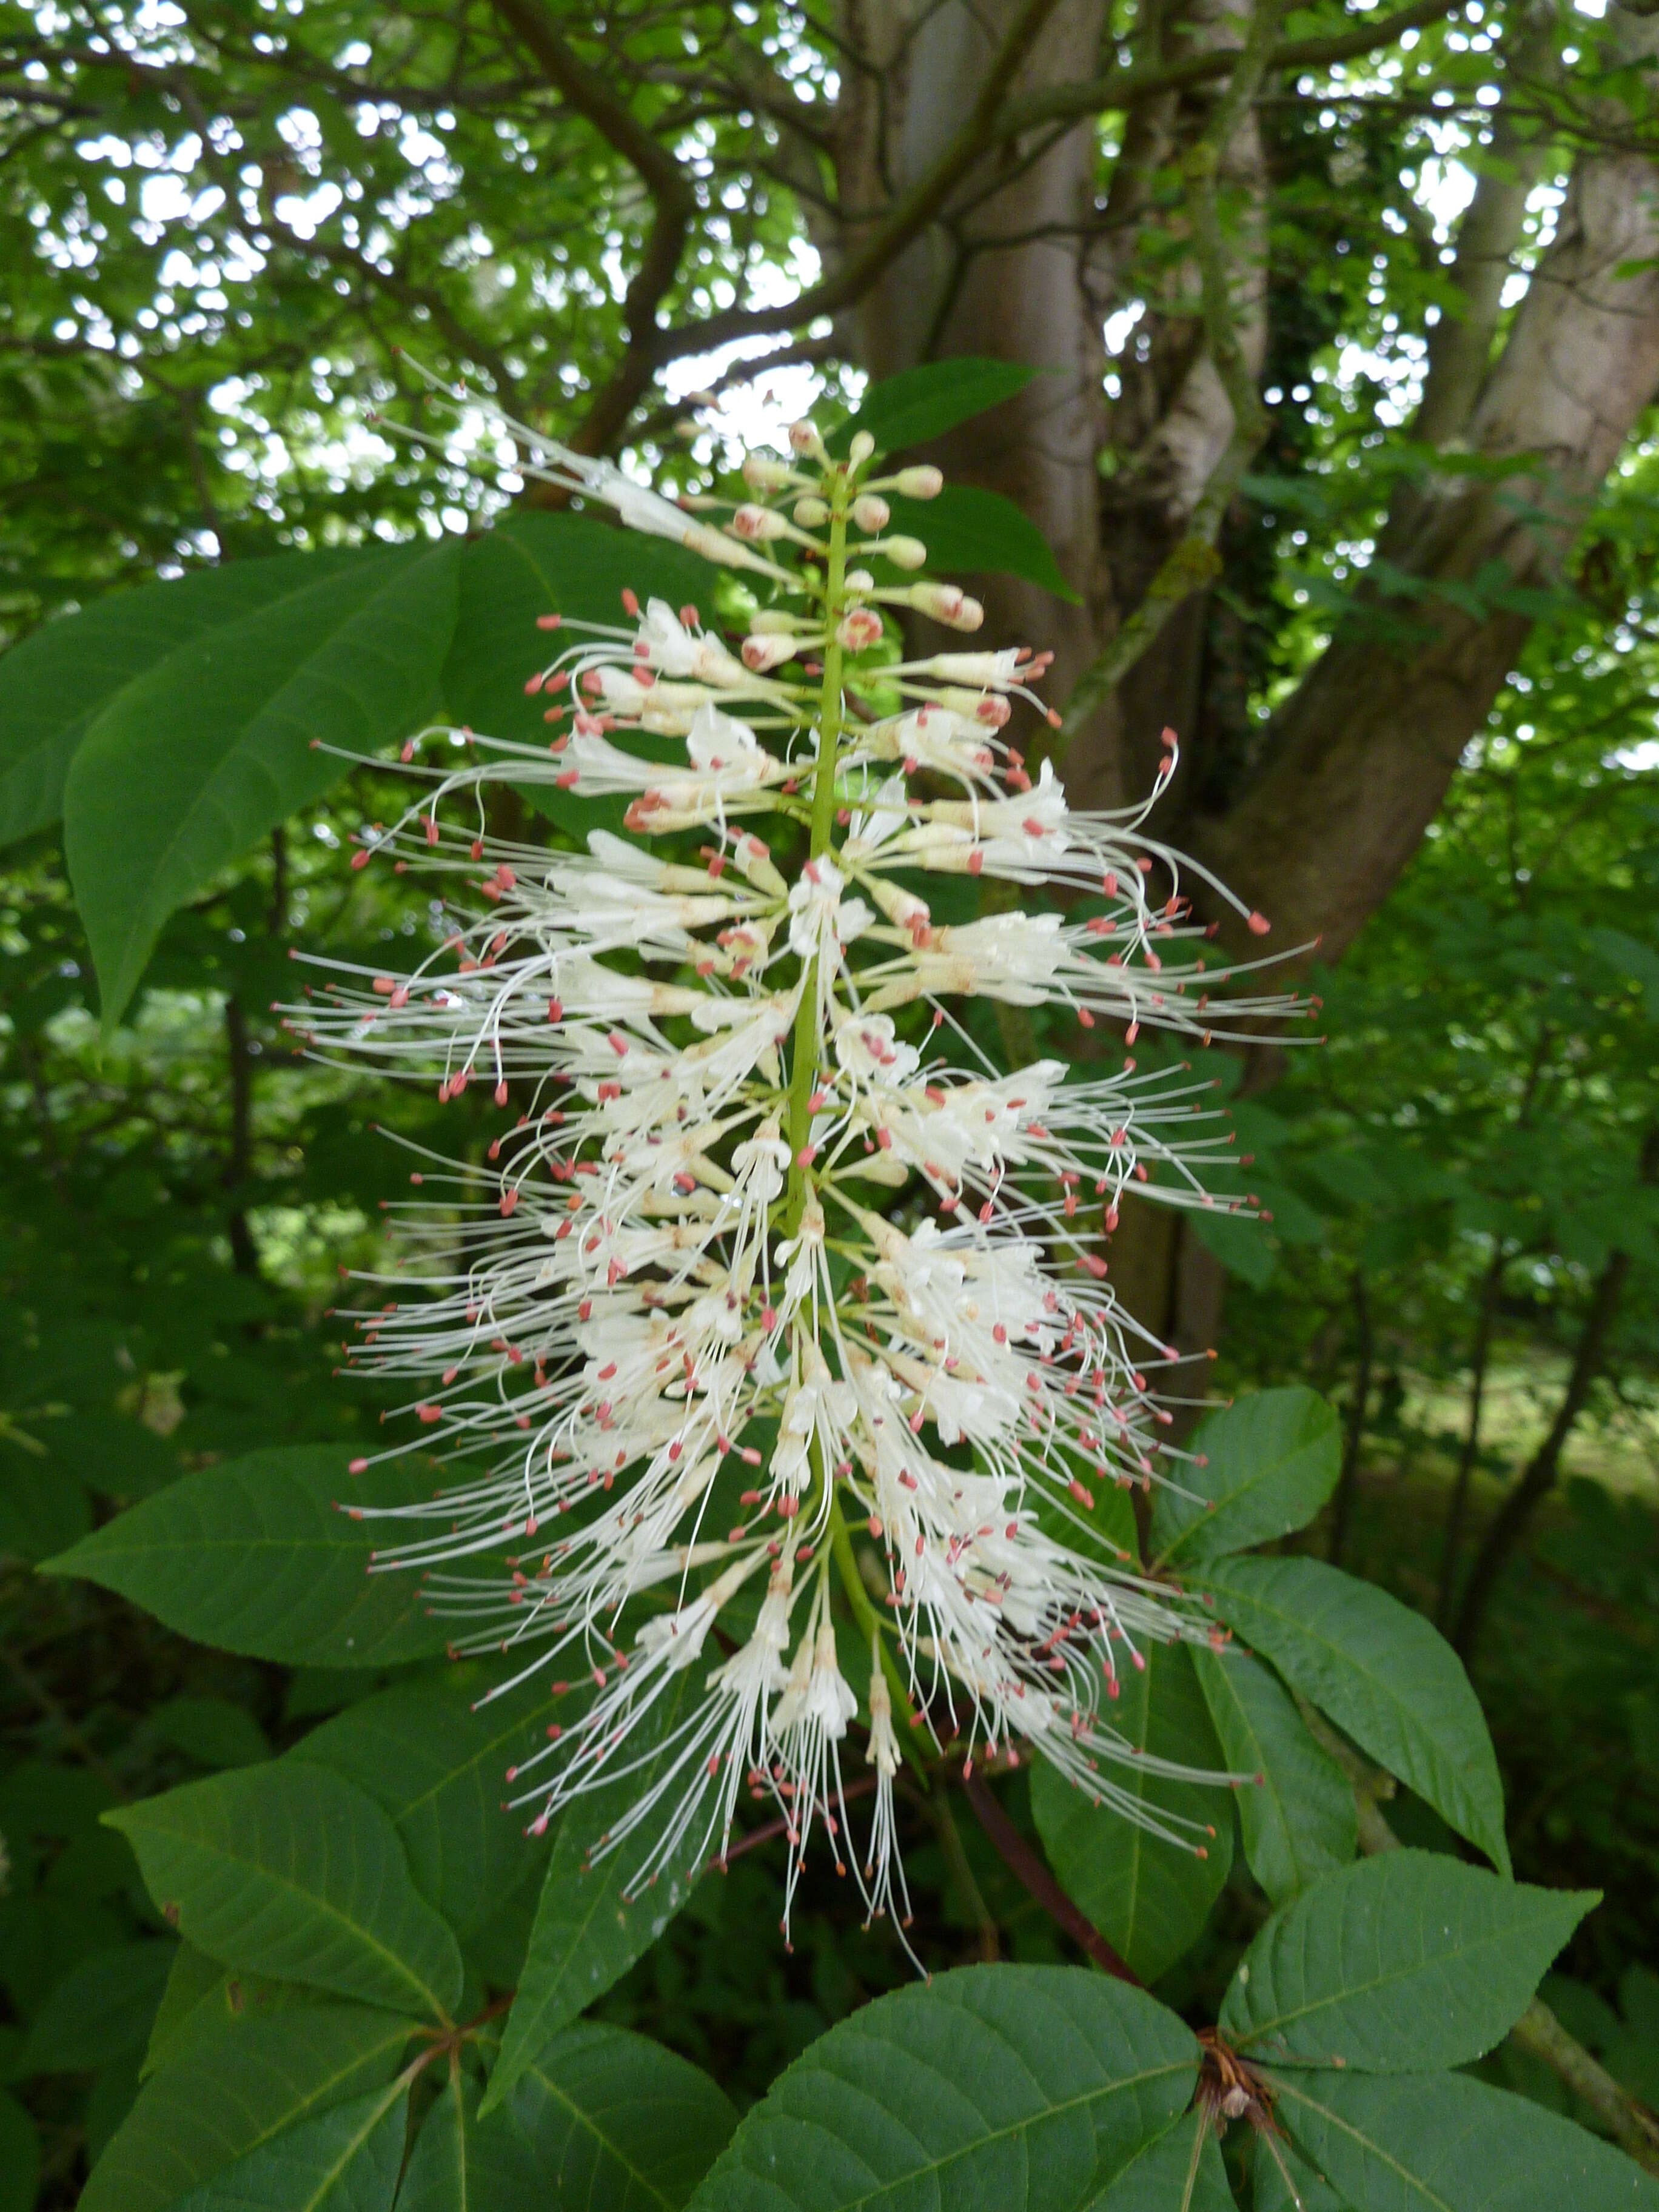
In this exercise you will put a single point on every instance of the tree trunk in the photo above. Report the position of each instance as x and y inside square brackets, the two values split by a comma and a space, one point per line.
[1314, 823]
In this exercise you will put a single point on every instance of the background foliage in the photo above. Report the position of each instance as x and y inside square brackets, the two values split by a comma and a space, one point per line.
[262, 1917]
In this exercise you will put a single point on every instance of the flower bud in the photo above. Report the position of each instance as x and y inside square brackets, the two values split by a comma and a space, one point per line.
[870, 512]
[762, 473]
[804, 438]
[859, 629]
[758, 523]
[948, 603]
[859, 580]
[923, 482]
[810, 513]
[773, 621]
[862, 446]
[763, 653]
[903, 552]
[942, 601]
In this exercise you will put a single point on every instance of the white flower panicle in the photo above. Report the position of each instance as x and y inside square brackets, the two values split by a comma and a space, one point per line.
[770, 1358]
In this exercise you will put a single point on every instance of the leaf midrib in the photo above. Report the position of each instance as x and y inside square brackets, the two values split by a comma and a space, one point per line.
[1413, 2181]
[1215, 1516]
[1384, 1981]
[507, 2074]
[350, 2150]
[1099, 2092]
[585, 2121]
[1473, 1811]
[312, 1899]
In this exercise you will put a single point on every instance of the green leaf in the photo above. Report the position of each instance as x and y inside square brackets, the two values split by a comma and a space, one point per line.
[208, 750]
[345, 2160]
[989, 2089]
[252, 1557]
[616, 2123]
[434, 1764]
[1148, 1896]
[202, 1998]
[55, 685]
[213, 1731]
[1157, 2180]
[924, 403]
[966, 529]
[1272, 1460]
[458, 2165]
[1382, 1673]
[1408, 1960]
[225, 2093]
[588, 1931]
[42, 1505]
[538, 564]
[1298, 1820]
[100, 2012]
[288, 1870]
[1287, 2184]
[1443, 2142]
[1242, 1247]
[20, 2156]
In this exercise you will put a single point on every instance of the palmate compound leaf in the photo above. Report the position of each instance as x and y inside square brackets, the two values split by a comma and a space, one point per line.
[1298, 1821]
[288, 1870]
[252, 1557]
[1408, 1960]
[1272, 1460]
[1382, 1673]
[345, 2160]
[208, 750]
[1443, 2142]
[989, 2089]
[434, 1764]
[219, 2094]
[590, 1924]
[1149, 1897]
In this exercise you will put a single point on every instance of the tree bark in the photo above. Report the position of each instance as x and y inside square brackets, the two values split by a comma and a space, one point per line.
[1024, 260]
[1360, 756]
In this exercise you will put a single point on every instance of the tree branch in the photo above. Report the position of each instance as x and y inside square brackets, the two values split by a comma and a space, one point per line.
[591, 95]
[909, 214]
[1193, 561]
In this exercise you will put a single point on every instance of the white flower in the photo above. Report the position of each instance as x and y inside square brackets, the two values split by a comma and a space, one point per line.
[754, 1266]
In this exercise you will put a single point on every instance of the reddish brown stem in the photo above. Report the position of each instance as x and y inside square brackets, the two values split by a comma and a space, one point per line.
[756, 1837]
[1025, 1863]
